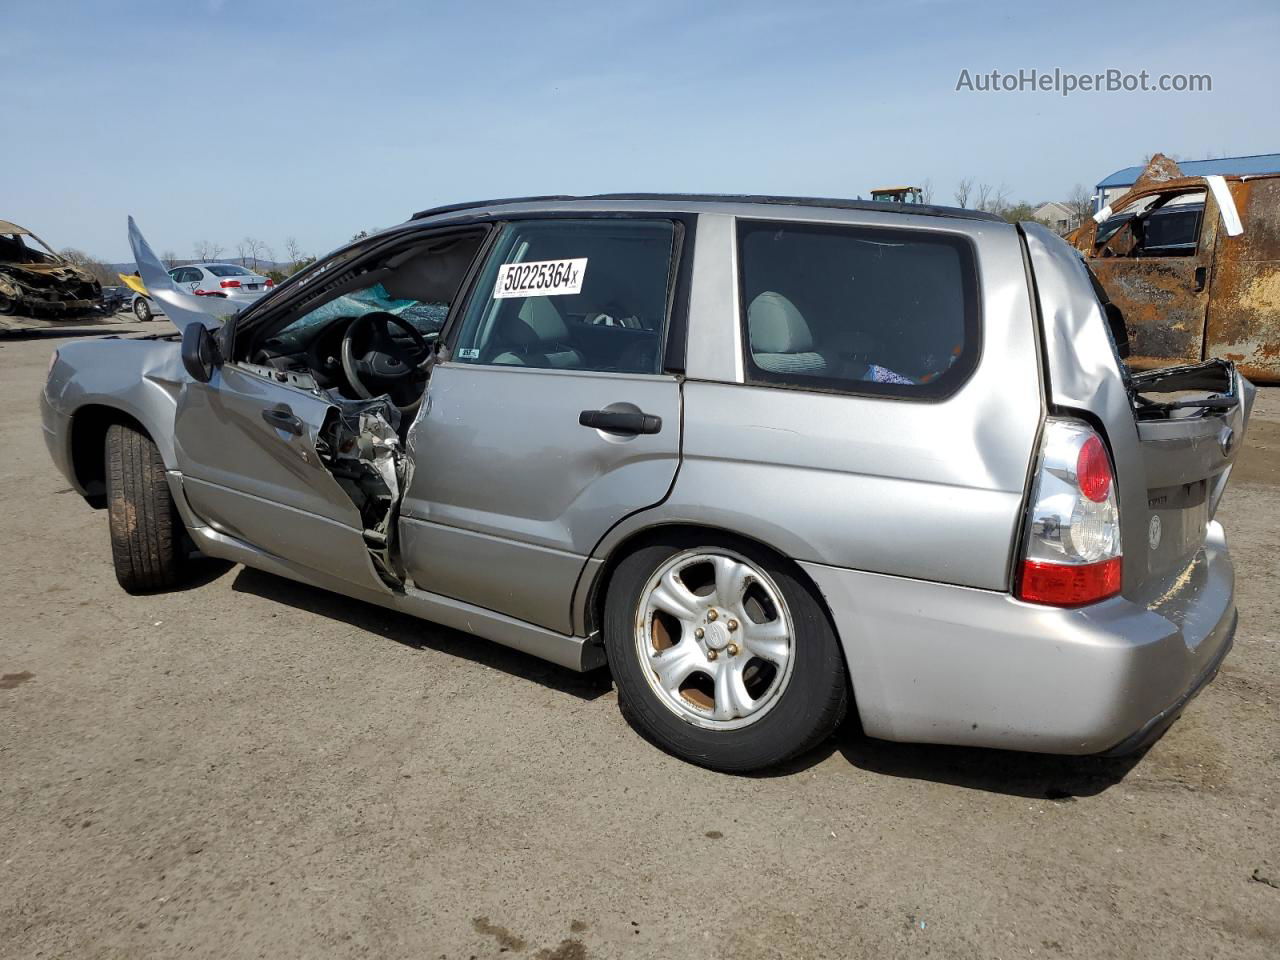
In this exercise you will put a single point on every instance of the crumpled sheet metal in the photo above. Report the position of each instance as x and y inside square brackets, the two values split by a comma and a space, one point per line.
[366, 434]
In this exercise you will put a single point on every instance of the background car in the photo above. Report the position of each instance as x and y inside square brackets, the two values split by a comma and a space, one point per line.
[115, 298]
[227, 280]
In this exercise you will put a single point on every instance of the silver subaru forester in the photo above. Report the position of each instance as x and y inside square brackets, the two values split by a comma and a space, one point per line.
[769, 459]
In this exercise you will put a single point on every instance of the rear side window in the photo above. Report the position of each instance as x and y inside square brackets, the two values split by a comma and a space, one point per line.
[865, 310]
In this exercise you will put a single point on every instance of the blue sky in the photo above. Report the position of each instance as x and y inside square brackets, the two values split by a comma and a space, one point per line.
[226, 118]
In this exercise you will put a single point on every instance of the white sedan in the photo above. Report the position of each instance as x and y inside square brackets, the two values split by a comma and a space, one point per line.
[226, 280]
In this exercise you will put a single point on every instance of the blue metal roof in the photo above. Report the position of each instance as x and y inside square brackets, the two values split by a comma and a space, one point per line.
[1226, 166]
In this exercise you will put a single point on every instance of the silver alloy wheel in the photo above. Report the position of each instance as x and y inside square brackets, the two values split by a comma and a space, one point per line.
[142, 310]
[714, 638]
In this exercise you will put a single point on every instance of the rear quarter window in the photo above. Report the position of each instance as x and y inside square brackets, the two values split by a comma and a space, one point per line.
[861, 310]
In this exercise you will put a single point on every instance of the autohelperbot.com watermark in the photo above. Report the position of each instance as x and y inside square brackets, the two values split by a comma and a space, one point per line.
[1065, 83]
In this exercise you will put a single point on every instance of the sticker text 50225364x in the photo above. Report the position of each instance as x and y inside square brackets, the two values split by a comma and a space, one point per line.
[540, 278]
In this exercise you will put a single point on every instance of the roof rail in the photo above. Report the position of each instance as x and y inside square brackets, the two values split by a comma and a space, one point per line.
[918, 209]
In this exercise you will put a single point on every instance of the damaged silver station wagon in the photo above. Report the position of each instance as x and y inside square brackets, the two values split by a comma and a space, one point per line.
[769, 459]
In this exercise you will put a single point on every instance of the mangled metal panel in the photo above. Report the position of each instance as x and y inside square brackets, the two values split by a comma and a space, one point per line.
[360, 445]
[1221, 300]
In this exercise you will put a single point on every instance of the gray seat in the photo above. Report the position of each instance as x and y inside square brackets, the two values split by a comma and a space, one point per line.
[781, 341]
[537, 337]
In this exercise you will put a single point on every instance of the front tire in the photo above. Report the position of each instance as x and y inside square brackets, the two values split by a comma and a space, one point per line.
[722, 653]
[142, 310]
[147, 546]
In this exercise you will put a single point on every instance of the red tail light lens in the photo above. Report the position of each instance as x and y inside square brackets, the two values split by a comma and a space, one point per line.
[1065, 585]
[1093, 470]
[1072, 553]
[230, 283]
[270, 283]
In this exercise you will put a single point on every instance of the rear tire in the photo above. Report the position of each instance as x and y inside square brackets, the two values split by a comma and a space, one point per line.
[788, 703]
[147, 546]
[142, 310]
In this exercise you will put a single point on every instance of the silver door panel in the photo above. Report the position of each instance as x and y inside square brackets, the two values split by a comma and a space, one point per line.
[518, 576]
[499, 453]
[262, 484]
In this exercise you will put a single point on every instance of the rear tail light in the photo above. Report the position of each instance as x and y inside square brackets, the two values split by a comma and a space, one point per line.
[230, 283]
[1072, 555]
[270, 283]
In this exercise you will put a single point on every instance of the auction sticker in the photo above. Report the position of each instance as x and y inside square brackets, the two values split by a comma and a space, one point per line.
[540, 278]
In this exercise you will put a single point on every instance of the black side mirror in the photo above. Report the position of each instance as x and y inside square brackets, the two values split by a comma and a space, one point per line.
[200, 353]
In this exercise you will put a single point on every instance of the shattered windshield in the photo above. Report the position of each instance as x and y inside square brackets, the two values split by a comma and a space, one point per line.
[427, 317]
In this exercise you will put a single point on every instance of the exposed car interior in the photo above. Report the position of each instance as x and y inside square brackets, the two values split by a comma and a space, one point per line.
[367, 330]
[1161, 225]
[14, 249]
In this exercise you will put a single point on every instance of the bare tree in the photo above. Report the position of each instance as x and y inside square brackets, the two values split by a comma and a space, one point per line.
[926, 191]
[254, 249]
[242, 252]
[99, 270]
[992, 199]
[169, 258]
[1080, 203]
[207, 250]
[293, 250]
[963, 189]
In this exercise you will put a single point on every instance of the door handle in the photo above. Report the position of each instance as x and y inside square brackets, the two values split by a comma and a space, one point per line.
[1201, 274]
[282, 418]
[621, 421]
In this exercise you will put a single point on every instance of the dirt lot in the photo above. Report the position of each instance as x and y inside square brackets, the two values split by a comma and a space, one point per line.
[250, 767]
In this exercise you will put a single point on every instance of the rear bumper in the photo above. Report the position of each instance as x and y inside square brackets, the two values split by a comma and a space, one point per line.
[936, 663]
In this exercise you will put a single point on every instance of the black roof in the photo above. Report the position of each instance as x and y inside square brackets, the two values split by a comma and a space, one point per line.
[880, 206]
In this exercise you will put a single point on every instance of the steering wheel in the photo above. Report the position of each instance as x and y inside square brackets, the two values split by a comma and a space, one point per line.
[375, 363]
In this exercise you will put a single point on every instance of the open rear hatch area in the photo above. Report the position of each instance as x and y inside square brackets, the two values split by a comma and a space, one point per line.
[1191, 422]
[1173, 433]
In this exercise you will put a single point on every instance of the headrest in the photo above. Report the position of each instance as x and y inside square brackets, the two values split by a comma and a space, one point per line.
[776, 326]
[537, 322]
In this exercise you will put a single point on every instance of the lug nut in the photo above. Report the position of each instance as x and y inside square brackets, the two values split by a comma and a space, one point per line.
[711, 654]
[733, 625]
[733, 649]
[712, 615]
[698, 633]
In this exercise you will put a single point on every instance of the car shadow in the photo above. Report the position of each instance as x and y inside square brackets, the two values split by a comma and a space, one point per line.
[422, 634]
[201, 571]
[1009, 772]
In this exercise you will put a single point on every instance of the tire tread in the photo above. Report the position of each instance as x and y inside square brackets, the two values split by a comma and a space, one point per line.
[147, 547]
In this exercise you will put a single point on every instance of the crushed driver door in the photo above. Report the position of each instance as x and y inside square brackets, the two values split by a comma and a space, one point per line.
[258, 460]
[268, 459]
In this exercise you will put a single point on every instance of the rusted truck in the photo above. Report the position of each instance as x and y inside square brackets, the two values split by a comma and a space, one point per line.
[1193, 266]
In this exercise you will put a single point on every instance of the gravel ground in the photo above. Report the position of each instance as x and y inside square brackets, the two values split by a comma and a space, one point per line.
[253, 768]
